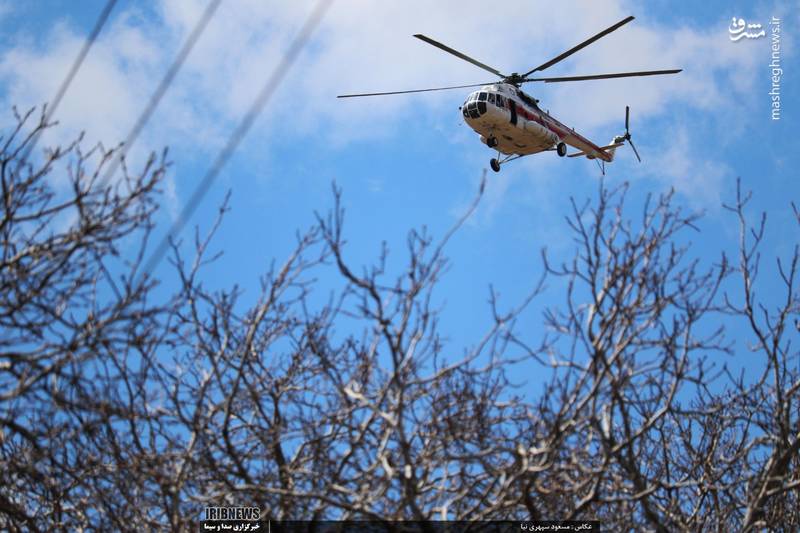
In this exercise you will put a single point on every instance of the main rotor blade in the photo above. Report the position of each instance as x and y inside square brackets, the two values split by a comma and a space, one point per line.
[415, 90]
[458, 54]
[584, 44]
[605, 76]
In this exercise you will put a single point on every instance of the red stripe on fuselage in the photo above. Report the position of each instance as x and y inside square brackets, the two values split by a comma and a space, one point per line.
[559, 129]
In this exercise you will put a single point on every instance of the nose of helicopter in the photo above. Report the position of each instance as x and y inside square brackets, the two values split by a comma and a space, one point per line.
[474, 106]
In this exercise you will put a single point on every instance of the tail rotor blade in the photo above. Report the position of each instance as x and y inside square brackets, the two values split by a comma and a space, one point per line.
[634, 150]
[627, 118]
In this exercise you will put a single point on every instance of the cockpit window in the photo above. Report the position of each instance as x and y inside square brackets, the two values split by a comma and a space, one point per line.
[482, 97]
[491, 98]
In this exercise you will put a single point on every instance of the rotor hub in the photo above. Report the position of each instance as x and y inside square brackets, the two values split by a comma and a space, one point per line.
[514, 79]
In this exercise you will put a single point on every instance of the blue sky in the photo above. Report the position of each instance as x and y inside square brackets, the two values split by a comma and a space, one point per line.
[408, 161]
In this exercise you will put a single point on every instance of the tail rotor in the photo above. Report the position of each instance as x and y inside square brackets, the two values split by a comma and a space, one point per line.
[627, 135]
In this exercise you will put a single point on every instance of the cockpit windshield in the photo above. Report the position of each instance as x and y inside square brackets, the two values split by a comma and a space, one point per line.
[476, 103]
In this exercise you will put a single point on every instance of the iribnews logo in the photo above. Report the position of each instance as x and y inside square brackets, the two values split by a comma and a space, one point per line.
[233, 513]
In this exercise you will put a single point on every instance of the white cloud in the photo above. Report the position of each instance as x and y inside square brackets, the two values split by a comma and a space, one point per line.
[104, 96]
[680, 164]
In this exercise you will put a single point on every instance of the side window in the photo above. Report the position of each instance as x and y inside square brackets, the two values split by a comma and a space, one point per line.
[491, 98]
[500, 101]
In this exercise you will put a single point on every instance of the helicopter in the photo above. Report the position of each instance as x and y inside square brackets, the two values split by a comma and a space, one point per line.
[511, 122]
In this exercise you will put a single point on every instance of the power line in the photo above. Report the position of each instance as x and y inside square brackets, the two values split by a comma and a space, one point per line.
[161, 89]
[241, 130]
[147, 112]
[101, 21]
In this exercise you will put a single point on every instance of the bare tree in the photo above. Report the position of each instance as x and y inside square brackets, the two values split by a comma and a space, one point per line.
[70, 332]
[347, 401]
[638, 427]
[768, 408]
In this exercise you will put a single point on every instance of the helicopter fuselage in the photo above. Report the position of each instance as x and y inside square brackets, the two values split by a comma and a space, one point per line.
[511, 122]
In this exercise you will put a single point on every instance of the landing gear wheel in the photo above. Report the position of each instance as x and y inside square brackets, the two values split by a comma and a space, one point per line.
[561, 149]
[491, 142]
[495, 164]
